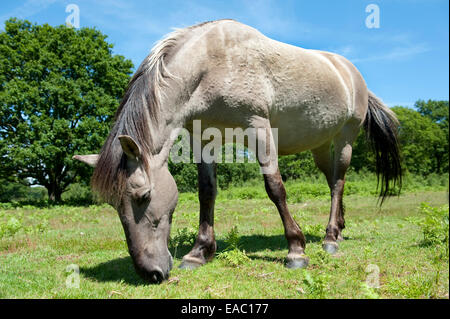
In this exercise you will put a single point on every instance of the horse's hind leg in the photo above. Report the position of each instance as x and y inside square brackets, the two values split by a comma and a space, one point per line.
[324, 161]
[296, 257]
[205, 244]
[341, 161]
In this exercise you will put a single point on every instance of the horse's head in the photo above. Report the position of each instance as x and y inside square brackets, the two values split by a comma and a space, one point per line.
[145, 209]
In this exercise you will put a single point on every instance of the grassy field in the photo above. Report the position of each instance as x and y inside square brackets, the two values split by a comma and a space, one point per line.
[387, 245]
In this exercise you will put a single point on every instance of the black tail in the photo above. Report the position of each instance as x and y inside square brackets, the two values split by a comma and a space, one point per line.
[381, 126]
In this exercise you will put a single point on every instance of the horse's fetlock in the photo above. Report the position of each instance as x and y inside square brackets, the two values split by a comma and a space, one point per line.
[333, 232]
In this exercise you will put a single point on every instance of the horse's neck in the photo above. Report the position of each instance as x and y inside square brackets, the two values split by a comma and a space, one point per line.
[164, 134]
[174, 106]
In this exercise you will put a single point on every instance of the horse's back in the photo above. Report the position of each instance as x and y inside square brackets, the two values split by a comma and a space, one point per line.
[307, 94]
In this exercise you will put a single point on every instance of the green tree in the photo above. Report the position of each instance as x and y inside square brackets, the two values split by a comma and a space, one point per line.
[419, 137]
[185, 174]
[363, 158]
[59, 90]
[423, 136]
[297, 166]
[438, 112]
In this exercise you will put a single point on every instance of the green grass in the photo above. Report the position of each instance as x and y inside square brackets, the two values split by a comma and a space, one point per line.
[37, 245]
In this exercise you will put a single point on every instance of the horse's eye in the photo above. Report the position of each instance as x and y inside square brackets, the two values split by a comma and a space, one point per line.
[147, 195]
[155, 223]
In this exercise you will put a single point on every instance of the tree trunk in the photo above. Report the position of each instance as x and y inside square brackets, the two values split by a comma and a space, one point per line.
[54, 193]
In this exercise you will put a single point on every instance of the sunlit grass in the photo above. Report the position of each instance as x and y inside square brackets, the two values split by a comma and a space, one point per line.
[35, 252]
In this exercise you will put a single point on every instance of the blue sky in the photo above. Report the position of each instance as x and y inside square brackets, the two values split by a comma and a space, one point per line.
[405, 59]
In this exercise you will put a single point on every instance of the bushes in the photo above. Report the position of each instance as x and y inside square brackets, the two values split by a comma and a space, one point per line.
[18, 192]
[299, 191]
[185, 175]
[79, 195]
[183, 237]
[12, 226]
[434, 225]
[297, 166]
[235, 174]
[316, 286]
[233, 255]
[15, 194]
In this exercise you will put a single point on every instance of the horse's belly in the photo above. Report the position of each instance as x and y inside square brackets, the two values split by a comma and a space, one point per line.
[305, 127]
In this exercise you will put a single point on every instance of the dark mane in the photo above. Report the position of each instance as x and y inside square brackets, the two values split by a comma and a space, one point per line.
[138, 110]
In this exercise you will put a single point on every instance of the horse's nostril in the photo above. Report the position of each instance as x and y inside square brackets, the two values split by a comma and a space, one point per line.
[155, 277]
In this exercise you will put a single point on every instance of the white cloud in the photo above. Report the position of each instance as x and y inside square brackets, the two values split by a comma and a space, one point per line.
[345, 50]
[397, 53]
[29, 8]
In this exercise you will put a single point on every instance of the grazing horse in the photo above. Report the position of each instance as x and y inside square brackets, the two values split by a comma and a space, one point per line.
[229, 75]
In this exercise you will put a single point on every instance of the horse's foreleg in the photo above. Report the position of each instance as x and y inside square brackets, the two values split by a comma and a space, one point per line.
[296, 257]
[205, 244]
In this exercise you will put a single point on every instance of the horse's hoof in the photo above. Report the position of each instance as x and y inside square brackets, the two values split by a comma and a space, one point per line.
[340, 238]
[330, 247]
[297, 262]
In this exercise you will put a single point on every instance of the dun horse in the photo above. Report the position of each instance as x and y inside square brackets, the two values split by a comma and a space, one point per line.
[229, 75]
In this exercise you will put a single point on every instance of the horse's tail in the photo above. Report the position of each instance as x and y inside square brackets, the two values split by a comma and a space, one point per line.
[381, 126]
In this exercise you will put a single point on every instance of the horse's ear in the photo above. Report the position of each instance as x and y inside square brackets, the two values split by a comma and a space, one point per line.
[130, 147]
[91, 160]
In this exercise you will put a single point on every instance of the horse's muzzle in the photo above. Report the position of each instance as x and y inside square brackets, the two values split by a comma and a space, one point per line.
[153, 272]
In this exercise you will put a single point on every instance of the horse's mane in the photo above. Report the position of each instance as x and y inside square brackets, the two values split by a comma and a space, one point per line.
[138, 110]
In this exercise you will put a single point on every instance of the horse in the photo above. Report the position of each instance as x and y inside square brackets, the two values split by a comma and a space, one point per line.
[229, 75]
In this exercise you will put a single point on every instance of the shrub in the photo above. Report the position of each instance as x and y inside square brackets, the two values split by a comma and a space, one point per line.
[434, 225]
[234, 257]
[317, 285]
[232, 239]
[232, 254]
[11, 191]
[11, 227]
[313, 230]
[183, 237]
[79, 195]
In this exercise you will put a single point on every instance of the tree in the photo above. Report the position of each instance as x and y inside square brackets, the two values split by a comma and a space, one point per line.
[438, 112]
[423, 137]
[59, 90]
[419, 137]
[363, 158]
[297, 166]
